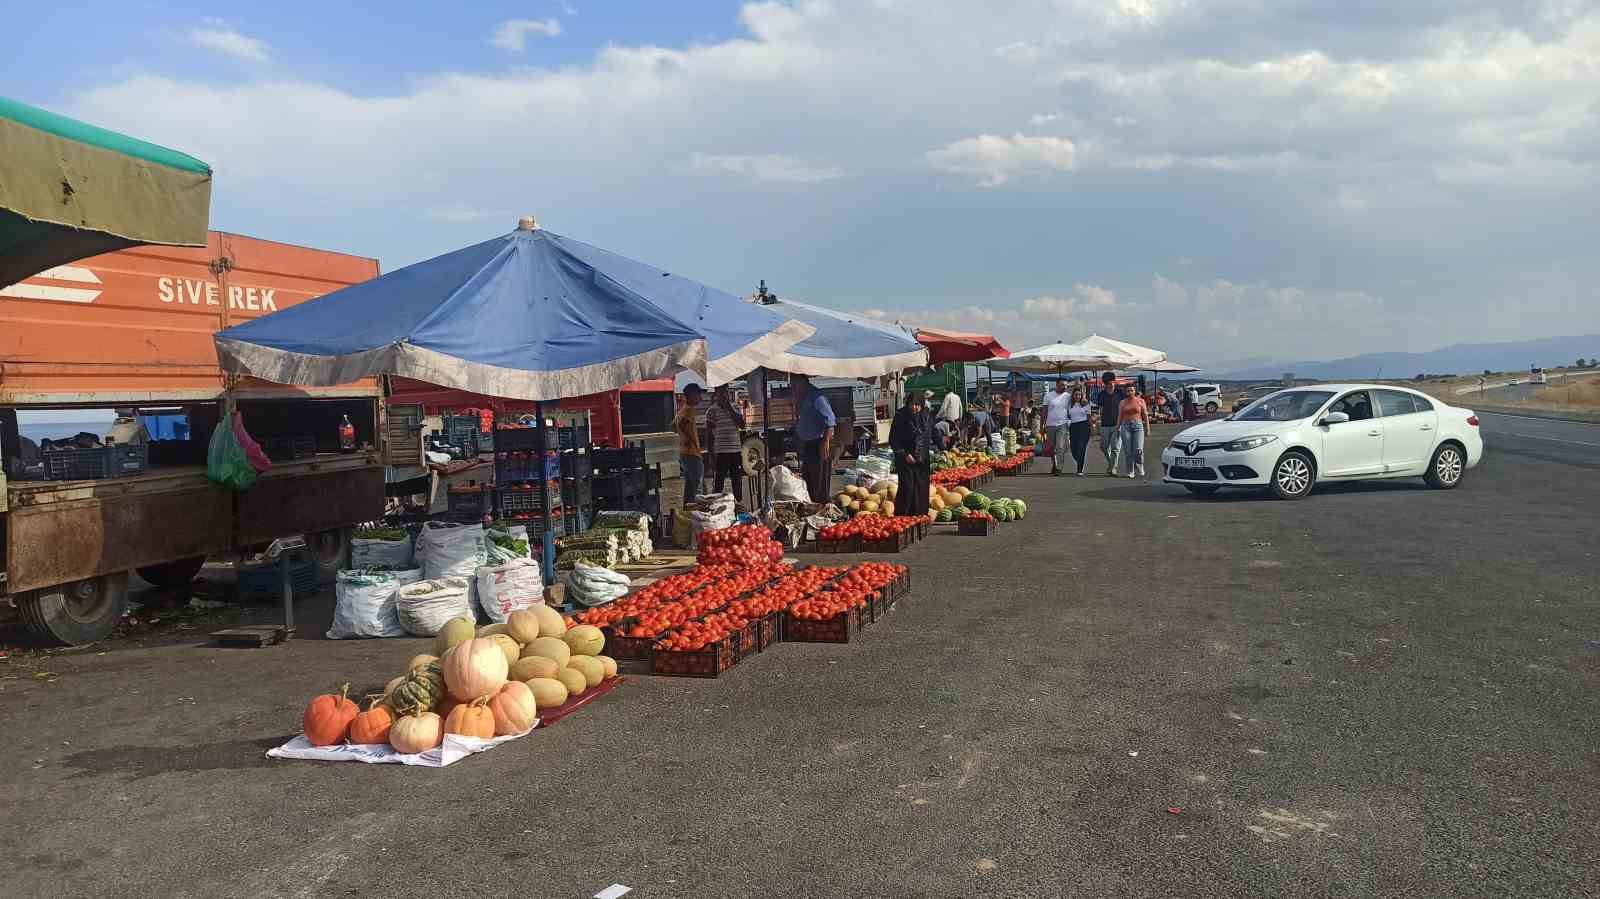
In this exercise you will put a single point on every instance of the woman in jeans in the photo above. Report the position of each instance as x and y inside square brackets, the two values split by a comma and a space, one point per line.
[1078, 427]
[1133, 414]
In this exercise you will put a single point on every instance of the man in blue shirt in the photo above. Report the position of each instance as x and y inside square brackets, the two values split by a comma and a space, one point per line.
[813, 425]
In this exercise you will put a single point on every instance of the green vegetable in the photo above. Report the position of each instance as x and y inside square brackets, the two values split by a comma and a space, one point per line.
[390, 534]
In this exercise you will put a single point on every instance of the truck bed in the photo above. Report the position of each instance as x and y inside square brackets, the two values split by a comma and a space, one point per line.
[165, 479]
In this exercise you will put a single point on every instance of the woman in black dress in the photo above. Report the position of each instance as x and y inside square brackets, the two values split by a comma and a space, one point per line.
[911, 439]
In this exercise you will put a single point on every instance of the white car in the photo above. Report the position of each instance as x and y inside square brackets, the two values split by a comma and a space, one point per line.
[1209, 396]
[1295, 438]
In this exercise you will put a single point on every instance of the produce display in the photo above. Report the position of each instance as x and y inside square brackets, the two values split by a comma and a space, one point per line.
[859, 501]
[745, 544]
[656, 621]
[1014, 461]
[959, 503]
[958, 475]
[656, 594]
[850, 591]
[870, 528]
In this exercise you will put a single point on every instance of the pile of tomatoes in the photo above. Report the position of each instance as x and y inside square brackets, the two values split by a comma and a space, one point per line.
[694, 636]
[781, 594]
[664, 617]
[848, 592]
[871, 527]
[873, 575]
[654, 595]
[745, 544]
[960, 475]
[1012, 463]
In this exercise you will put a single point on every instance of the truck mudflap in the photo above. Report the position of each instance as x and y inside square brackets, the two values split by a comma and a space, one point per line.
[309, 502]
[62, 542]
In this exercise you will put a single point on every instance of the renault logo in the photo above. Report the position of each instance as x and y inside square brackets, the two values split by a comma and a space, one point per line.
[1192, 448]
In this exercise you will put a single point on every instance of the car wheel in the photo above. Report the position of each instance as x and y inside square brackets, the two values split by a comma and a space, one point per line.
[1211, 408]
[1293, 476]
[1446, 469]
[1201, 489]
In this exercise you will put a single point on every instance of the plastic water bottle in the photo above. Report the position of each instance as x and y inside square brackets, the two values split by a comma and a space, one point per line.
[347, 436]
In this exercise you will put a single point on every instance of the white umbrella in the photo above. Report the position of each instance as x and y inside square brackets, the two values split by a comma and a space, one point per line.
[1059, 358]
[1168, 367]
[1141, 356]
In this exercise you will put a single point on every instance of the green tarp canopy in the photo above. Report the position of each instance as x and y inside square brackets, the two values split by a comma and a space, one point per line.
[70, 190]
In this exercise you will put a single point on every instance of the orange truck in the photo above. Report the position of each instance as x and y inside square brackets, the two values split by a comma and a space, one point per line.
[132, 331]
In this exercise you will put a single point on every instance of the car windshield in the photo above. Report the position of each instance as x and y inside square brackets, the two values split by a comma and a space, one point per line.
[1288, 405]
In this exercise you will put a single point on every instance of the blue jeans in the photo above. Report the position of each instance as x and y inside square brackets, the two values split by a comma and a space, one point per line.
[1132, 444]
[1111, 446]
[694, 468]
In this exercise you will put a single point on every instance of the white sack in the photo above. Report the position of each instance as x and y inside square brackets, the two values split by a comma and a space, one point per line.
[503, 589]
[364, 603]
[425, 606]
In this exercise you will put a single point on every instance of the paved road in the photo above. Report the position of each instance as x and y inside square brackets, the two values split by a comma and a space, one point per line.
[1380, 691]
[1572, 443]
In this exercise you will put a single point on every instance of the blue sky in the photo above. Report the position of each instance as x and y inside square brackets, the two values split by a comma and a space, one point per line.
[1229, 180]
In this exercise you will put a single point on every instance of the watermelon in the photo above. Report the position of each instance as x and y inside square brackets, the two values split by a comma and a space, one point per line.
[976, 501]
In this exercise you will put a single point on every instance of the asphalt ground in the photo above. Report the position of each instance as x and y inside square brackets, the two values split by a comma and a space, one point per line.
[1379, 691]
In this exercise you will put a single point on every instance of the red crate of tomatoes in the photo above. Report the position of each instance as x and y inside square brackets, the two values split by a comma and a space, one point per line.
[744, 544]
[702, 648]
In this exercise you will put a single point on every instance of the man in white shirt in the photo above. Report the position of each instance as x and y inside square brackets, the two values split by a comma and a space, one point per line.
[1057, 420]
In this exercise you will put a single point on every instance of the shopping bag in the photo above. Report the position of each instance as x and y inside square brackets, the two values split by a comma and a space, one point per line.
[1047, 448]
[252, 449]
[227, 463]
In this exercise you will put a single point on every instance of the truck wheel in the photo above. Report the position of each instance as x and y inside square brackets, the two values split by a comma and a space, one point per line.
[76, 613]
[173, 574]
[331, 550]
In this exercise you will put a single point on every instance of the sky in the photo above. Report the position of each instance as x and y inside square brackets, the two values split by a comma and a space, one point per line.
[1235, 181]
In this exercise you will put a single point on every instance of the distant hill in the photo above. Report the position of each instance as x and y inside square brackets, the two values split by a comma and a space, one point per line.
[1460, 359]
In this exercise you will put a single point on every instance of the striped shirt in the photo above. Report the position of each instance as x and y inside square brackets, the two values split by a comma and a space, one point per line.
[724, 429]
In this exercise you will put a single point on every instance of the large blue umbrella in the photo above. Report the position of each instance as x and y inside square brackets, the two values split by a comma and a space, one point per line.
[530, 315]
[844, 345]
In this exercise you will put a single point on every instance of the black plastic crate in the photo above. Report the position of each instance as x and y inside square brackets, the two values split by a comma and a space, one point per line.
[290, 447]
[575, 437]
[577, 491]
[117, 461]
[266, 582]
[576, 464]
[514, 500]
[525, 439]
[470, 503]
[576, 519]
[608, 459]
[619, 484]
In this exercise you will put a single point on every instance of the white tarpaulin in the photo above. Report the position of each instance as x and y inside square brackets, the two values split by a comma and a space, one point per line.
[454, 749]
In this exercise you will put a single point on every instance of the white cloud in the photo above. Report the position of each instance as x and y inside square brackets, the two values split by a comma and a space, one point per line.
[512, 34]
[765, 167]
[1044, 118]
[220, 37]
[994, 160]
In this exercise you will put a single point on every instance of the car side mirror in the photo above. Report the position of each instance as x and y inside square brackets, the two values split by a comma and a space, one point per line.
[1335, 418]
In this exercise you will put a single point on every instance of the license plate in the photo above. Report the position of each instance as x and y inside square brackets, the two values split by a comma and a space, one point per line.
[1188, 462]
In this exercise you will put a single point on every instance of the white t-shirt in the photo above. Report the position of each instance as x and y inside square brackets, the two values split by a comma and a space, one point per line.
[1056, 408]
[1078, 413]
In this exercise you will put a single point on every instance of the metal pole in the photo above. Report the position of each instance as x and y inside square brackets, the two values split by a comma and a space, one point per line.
[286, 579]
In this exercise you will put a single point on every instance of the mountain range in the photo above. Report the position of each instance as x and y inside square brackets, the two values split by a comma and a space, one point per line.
[1459, 359]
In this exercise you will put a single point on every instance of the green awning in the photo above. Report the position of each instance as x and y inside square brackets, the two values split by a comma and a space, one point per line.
[70, 190]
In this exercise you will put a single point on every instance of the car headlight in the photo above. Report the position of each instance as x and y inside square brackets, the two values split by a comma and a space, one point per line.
[1247, 443]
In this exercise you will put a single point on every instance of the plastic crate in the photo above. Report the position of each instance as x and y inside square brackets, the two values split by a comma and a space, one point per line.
[470, 503]
[117, 461]
[525, 439]
[632, 649]
[619, 483]
[577, 491]
[975, 527]
[575, 437]
[576, 519]
[514, 500]
[838, 629]
[294, 446]
[891, 544]
[266, 582]
[576, 464]
[850, 544]
[608, 459]
[708, 662]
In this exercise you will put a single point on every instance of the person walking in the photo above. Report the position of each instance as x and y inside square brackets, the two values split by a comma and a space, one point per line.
[1078, 427]
[1134, 415]
[723, 425]
[911, 439]
[1056, 420]
[690, 460]
[1108, 399]
[813, 425]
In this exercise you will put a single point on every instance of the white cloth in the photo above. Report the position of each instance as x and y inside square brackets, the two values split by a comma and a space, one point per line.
[1056, 408]
[1079, 412]
[454, 748]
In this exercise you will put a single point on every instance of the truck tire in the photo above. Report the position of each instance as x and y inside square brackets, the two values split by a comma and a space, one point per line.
[331, 550]
[76, 613]
[173, 574]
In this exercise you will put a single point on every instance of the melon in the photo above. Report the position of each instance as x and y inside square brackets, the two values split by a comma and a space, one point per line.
[551, 624]
[522, 625]
[489, 630]
[585, 640]
[952, 498]
[531, 666]
[593, 672]
[887, 508]
[507, 645]
[573, 680]
[547, 692]
[610, 665]
[454, 632]
[935, 503]
[963, 490]
[552, 648]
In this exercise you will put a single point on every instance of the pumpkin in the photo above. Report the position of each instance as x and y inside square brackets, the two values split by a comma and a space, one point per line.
[513, 708]
[573, 680]
[471, 719]
[389, 687]
[548, 692]
[422, 688]
[522, 626]
[489, 630]
[475, 668]
[551, 624]
[552, 648]
[593, 672]
[530, 667]
[455, 632]
[417, 732]
[609, 664]
[372, 726]
[508, 646]
[327, 718]
[419, 661]
[585, 640]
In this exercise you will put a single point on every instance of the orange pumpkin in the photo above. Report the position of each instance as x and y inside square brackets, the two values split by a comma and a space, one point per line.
[446, 706]
[327, 718]
[471, 719]
[372, 726]
[513, 709]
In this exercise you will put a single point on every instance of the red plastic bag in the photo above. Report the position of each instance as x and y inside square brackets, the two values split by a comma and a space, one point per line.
[252, 449]
[1049, 447]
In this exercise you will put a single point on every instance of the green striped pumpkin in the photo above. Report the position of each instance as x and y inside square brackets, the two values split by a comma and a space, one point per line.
[423, 687]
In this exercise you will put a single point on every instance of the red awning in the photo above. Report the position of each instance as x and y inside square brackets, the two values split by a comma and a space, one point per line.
[957, 346]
